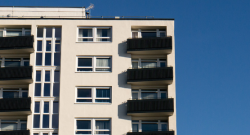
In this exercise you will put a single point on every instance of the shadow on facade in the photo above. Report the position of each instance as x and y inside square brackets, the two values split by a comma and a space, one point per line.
[122, 80]
[122, 111]
[122, 50]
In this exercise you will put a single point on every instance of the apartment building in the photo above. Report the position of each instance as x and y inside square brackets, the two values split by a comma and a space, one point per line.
[65, 73]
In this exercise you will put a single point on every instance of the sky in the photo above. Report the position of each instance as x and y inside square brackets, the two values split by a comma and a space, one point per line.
[212, 57]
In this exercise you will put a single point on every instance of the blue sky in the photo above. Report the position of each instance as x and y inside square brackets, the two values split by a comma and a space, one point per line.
[212, 57]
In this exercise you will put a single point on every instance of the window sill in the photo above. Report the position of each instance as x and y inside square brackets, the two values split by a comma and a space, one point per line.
[94, 103]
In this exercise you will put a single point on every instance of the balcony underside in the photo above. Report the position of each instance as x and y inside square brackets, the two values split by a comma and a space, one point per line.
[155, 51]
[152, 133]
[150, 82]
[17, 50]
[150, 114]
[16, 81]
[15, 112]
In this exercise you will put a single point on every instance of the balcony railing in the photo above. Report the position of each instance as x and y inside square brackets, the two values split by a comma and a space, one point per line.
[15, 73]
[150, 105]
[16, 132]
[20, 42]
[150, 74]
[157, 43]
[152, 133]
[15, 104]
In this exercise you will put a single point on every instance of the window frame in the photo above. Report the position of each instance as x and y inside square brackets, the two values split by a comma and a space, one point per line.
[94, 34]
[18, 121]
[139, 92]
[94, 67]
[159, 123]
[139, 31]
[20, 91]
[93, 95]
[93, 125]
[4, 30]
[2, 59]
[140, 60]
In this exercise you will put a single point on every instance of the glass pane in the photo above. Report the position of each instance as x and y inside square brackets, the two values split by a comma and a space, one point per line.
[83, 124]
[149, 127]
[162, 34]
[36, 122]
[102, 39]
[149, 64]
[87, 40]
[23, 126]
[12, 63]
[10, 94]
[164, 127]
[56, 89]
[163, 95]
[8, 126]
[48, 32]
[58, 45]
[57, 59]
[39, 46]
[87, 62]
[55, 107]
[84, 100]
[103, 62]
[45, 121]
[46, 107]
[38, 89]
[163, 64]
[103, 100]
[103, 93]
[84, 93]
[85, 33]
[46, 89]
[27, 33]
[134, 65]
[148, 95]
[13, 33]
[55, 121]
[48, 45]
[134, 34]
[47, 76]
[148, 34]
[103, 32]
[57, 76]
[47, 59]
[134, 96]
[37, 107]
[38, 76]
[54, 133]
[83, 132]
[1, 33]
[39, 59]
[102, 124]
[26, 63]
[102, 132]
[84, 69]
[58, 32]
[25, 94]
[102, 69]
[45, 134]
[35, 134]
[39, 32]
[135, 128]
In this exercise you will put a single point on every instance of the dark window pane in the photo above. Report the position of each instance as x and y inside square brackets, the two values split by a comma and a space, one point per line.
[39, 59]
[149, 127]
[55, 121]
[46, 89]
[36, 121]
[102, 132]
[84, 93]
[163, 95]
[103, 93]
[85, 32]
[103, 100]
[56, 89]
[55, 107]
[47, 76]
[163, 64]
[135, 128]
[10, 94]
[37, 107]
[84, 100]
[83, 132]
[48, 45]
[38, 89]
[26, 63]
[84, 69]
[54, 134]
[39, 46]
[58, 32]
[12, 63]
[45, 134]
[57, 76]
[39, 32]
[102, 124]
[148, 34]
[58, 45]
[23, 126]
[46, 107]
[48, 32]
[57, 58]
[25, 94]
[83, 124]
[47, 59]
[35, 134]
[45, 121]
[85, 62]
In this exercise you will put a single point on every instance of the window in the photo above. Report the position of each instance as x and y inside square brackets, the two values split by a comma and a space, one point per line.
[14, 62]
[138, 94]
[148, 63]
[48, 46]
[94, 34]
[13, 32]
[93, 64]
[93, 95]
[49, 118]
[13, 92]
[45, 85]
[149, 125]
[143, 33]
[10, 125]
[93, 126]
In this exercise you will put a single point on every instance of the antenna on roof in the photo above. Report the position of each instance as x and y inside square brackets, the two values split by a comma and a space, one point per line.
[88, 9]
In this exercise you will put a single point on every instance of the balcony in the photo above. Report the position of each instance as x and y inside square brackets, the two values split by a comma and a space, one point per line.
[20, 44]
[150, 107]
[16, 75]
[152, 133]
[156, 45]
[15, 106]
[150, 76]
